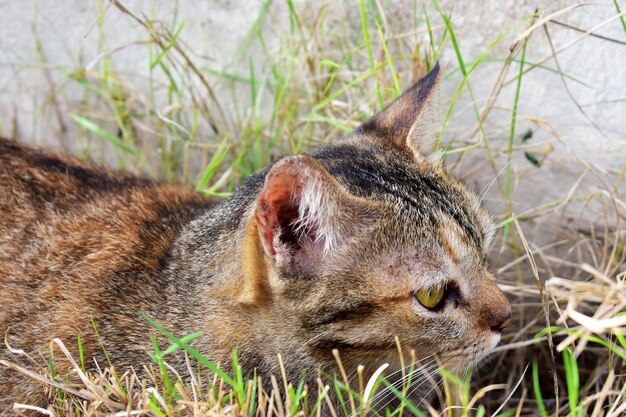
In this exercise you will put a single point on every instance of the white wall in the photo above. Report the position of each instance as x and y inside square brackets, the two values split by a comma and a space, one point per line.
[214, 30]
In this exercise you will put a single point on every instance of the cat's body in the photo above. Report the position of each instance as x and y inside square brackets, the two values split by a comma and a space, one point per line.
[320, 252]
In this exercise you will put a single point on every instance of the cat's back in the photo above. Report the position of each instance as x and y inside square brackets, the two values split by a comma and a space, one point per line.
[64, 221]
[51, 182]
[61, 208]
[72, 233]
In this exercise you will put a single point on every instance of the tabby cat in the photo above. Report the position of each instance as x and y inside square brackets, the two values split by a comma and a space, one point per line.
[346, 247]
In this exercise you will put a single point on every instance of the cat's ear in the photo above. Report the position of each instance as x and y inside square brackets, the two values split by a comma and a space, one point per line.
[409, 124]
[301, 214]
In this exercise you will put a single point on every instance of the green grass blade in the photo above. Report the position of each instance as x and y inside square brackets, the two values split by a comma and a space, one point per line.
[508, 169]
[406, 403]
[592, 338]
[459, 89]
[170, 44]
[537, 390]
[54, 375]
[345, 88]
[155, 407]
[252, 84]
[240, 389]
[431, 38]
[534, 65]
[620, 338]
[106, 355]
[214, 164]
[252, 408]
[251, 34]
[292, 16]
[319, 400]
[455, 43]
[368, 45]
[81, 353]
[192, 352]
[571, 379]
[621, 18]
[158, 358]
[334, 123]
[394, 76]
[185, 339]
[94, 128]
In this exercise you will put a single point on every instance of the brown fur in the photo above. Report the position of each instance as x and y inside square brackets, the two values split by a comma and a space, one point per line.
[322, 251]
[76, 241]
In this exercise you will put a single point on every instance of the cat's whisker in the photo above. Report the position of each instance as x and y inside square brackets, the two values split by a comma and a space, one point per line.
[429, 370]
[380, 359]
[427, 394]
[412, 364]
[317, 336]
[418, 363]
[467, 368]
[426, 365]
[375, 399]
[353, 373]
[429, 373]
[439, 382]
[421, 372]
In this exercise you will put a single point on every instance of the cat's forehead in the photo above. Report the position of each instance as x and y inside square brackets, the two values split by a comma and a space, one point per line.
[432, 245]
[426, 262]
[423, 200]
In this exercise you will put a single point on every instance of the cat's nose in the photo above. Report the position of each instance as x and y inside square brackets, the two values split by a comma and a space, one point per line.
[494, 310]
[502, 321]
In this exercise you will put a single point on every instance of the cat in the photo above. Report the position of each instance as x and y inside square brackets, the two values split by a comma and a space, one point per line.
[347, 247]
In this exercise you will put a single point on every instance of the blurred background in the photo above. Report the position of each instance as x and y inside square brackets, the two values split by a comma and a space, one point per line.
[533, 106]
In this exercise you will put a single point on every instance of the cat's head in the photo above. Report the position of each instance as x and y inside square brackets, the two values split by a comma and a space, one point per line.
[369, 239]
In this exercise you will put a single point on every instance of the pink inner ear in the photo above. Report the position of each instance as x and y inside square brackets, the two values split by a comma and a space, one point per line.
[277, 210]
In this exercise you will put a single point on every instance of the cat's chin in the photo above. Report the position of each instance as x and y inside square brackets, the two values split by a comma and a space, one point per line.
[474, 357]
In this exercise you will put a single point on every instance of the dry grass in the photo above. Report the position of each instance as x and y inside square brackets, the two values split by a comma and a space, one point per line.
[561, 261]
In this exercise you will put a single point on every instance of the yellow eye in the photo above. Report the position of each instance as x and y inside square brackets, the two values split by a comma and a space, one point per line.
[430, 298]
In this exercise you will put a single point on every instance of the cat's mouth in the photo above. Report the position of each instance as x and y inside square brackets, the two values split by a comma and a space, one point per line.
[495, 339]
[474, 354]
[480, 355]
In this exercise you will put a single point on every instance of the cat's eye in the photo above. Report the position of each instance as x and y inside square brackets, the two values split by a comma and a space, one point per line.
[431, 297]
